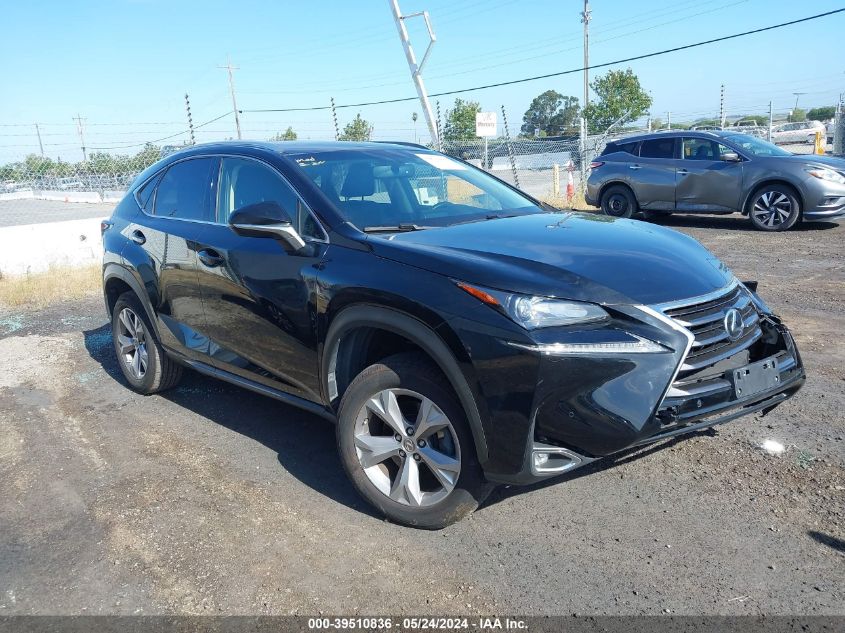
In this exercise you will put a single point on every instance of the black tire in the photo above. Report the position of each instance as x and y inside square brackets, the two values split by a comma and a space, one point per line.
[618, 201]
[160, 372]
[415, 373]
[774, 207]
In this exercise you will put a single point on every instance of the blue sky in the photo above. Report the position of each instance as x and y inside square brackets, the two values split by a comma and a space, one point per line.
[125, 65]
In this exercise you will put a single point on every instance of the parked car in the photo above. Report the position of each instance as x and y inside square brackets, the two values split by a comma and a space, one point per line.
[705, 128]
[458, 332]
[798, 132]
[67, 184]
[716, 173]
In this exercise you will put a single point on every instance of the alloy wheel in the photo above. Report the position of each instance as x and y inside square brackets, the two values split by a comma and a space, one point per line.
[772, 208]
[132, 343]
[407, 447]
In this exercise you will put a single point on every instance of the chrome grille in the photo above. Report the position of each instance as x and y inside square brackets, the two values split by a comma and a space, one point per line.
[706, 321]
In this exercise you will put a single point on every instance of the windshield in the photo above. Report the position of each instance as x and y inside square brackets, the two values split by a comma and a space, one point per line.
[756, 146]
[390, 188]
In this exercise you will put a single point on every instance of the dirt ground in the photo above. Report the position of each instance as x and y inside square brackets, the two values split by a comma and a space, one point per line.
[212, 500]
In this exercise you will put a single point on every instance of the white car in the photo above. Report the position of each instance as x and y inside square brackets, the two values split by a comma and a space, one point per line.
[798, 132]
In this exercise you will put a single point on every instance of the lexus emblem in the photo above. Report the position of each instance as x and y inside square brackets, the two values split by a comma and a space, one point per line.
[733, 324]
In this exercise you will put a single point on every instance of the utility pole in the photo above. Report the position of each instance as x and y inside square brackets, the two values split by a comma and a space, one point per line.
[722, 108]
[80, 122]
[769, 136]
[668, 120]
[797, 95]
[230, 68]
[585, 18]
[416, 69]
[190, 120]
[40, 144]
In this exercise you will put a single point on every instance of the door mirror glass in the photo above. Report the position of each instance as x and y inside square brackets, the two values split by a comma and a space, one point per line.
[731, 157]
[266, 219]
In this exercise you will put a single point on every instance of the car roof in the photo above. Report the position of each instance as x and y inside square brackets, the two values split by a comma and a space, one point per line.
[288, 148]
[675, 134]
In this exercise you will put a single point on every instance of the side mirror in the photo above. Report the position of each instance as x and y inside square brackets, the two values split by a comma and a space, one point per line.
[265, 219]
[731, 157]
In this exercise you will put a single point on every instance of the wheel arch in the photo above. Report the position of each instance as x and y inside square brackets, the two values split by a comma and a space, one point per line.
[612, 183]
[772, 181]
[350, 343]
[116, 281]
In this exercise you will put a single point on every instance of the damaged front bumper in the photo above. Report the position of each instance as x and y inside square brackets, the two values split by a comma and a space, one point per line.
[714, 381]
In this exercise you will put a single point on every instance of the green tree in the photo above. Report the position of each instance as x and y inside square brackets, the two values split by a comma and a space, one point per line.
[460, 121]
[620, 99]
[288, 135]
[357, 130]
[821, 114]
[551, 113]
[796, 115]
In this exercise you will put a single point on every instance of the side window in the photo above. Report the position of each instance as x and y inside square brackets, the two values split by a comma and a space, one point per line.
[658, 148]
[628, 148]
[184, 191]
[700, 149]
[144, 195]
[244, 182]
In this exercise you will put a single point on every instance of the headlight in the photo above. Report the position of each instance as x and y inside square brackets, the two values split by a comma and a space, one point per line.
[537, 312]
[828, 175]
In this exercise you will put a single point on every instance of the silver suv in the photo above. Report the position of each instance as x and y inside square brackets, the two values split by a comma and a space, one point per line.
[716, 172]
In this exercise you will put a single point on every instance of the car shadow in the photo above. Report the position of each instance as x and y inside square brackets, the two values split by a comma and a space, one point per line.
[826, 539]
[728, 223]
[304, 443]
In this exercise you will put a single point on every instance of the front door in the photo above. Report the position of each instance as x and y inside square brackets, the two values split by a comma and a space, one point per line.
[705, 182]
[177, 208]
[652, 174]
[259, 296]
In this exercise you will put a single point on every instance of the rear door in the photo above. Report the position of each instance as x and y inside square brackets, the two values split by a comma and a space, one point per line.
[705, 182]
[260, 298]
[177, 208]
[651, 175]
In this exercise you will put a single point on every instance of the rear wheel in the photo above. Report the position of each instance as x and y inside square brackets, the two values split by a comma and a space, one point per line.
[774, 208]
[142, 360]
[405, 444]
[619, 202]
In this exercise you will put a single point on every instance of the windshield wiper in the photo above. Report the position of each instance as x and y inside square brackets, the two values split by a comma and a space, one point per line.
[396, 228]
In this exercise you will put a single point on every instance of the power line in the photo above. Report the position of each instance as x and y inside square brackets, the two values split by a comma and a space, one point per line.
[166, 138]
[564, 72]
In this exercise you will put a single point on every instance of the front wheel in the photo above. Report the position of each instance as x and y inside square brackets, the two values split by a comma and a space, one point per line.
[774, 208]
[619, 202]
[404, 441]
[144, 364]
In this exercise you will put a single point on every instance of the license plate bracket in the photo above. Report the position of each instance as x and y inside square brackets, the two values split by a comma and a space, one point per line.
[755, 378]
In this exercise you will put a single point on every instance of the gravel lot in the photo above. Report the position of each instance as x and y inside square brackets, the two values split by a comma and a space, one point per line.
[212, 500]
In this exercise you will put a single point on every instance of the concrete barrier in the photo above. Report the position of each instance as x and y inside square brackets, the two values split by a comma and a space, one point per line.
[35, 248]
[113, 196]
[69, 196]
[23, 194]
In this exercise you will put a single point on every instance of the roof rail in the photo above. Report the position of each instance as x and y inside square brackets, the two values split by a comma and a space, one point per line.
[405, 143]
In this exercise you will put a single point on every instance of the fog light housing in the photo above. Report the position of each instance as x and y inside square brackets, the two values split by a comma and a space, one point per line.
[552, 460]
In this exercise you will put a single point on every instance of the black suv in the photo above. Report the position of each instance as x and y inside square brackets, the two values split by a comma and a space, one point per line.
[459, 333]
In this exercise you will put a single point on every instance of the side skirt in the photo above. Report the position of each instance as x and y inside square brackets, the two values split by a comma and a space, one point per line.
[264, 390]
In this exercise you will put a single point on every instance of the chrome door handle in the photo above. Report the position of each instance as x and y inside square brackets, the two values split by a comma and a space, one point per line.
[138, 237]
[683, 172]
[210, 257]
[634, 167]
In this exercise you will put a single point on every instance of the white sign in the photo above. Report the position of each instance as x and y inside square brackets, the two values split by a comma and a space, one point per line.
[485, 124]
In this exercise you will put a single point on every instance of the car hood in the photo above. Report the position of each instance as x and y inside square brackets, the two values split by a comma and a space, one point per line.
[816, 159]
[579, 256]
